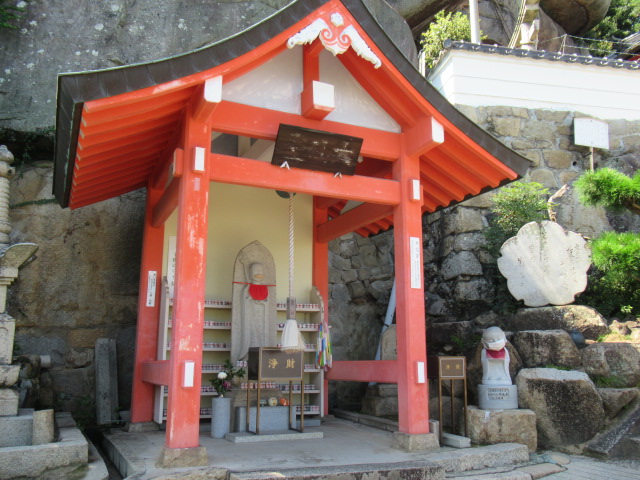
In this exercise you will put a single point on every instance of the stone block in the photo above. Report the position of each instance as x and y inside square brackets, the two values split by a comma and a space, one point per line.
[8, 402]
[545, 177]
[420, 442]
[614, 360]
[383, 389]
[9, 375]
[389, 345]
[31, 462]
[615, 399]
[106, 381]
[558, 159]
[43, 427]
[539, 348]
[272, 419]
[497, 397]
[566, 403]
[380, 406]
[7, 333]
[455, 441]
[463, 263]
[16, 431]
[584, 319]
[183, 457]
[508, 426]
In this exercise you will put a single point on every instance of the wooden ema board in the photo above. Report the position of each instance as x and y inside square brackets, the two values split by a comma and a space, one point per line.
[273, 363]
[316, 150]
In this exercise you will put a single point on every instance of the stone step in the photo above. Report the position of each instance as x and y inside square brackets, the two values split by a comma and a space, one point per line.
[400, 471]
[615, 442]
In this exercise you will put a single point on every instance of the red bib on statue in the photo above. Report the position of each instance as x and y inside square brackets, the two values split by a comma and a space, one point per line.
[496, 353]
[258, 292]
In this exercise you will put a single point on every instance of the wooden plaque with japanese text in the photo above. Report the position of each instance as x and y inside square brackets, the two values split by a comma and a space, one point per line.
[272, 363]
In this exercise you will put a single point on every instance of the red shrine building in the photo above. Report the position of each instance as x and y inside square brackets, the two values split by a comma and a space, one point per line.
[198, 131]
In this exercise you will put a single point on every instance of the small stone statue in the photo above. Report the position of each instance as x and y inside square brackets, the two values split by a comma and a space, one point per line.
[496, 392]
[495, 358]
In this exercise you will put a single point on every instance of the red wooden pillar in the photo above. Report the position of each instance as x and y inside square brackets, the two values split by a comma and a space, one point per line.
[320, 274]
[148, 306]
[413, 398]
[185, 362]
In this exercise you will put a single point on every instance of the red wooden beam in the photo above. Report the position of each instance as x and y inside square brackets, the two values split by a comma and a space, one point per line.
[383, 371]
[148, 314]
[167, 203]
[455, 171]
[428, 133]
[207, 98]
[413, 397]
[156, 372]
[263, 123]
[243, 171]
[352, 220]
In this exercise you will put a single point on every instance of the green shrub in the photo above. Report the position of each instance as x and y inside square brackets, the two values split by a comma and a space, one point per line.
[622, 20]
[453, 26]
[610, 189]
[514, 206]
[614, 282]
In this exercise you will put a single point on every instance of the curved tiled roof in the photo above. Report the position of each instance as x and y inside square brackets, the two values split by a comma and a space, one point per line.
[163, 88]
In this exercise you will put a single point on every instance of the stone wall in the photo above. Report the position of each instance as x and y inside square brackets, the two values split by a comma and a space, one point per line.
[461, 282]
[82, 286]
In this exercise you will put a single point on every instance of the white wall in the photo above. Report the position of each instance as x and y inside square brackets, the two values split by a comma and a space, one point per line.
[483, 79]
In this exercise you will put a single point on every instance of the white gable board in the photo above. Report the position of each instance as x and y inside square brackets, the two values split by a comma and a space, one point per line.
[277, 85]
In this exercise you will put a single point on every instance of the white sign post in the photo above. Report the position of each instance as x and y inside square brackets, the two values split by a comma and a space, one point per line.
[591, 133]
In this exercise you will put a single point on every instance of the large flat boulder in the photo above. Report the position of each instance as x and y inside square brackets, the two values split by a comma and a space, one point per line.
[614, 363]
[584, 319]
[567, 405]
[539, 348]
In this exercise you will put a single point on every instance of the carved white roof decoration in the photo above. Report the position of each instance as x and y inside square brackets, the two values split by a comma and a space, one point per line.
[335, 39]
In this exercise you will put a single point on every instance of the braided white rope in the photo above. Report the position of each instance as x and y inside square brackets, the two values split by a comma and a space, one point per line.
[291, 251]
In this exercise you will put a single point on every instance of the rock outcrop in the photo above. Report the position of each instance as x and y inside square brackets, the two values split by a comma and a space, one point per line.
[616, 363]
[566, 403]
[539, 348]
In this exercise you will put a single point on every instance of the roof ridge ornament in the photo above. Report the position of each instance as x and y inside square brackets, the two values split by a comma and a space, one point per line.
[335, 40]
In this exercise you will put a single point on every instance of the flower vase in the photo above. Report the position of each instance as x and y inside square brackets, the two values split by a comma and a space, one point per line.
[220, 416]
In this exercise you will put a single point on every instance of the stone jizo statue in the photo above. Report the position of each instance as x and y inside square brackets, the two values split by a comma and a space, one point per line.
[495, 358]
[496, 392]
[253, 308]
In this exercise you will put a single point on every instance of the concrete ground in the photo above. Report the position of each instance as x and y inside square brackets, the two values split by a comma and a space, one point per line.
[346, 443]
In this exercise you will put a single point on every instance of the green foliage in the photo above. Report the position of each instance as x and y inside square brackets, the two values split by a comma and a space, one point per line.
[608, 382]
[9, 13]
[614, 282]
[558, 367]
[454, 26]
[514, 206]
[610, 189]
[618, 256]
[222, 381]
[622, 20]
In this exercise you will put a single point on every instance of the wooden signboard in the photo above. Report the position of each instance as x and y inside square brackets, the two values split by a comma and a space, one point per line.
[316, 150]
[273, 363]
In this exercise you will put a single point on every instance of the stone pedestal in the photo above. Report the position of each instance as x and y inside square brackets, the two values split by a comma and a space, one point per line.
[487, 427]
[272, 419]
[220, 416]
[497, 397]
[415, 443]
